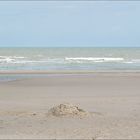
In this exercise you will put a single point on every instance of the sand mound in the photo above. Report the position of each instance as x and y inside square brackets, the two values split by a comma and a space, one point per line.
[67, 110]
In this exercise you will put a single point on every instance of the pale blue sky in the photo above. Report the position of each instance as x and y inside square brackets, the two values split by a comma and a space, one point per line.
[70, 23]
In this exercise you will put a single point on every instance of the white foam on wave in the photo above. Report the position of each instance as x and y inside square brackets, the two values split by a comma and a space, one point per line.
[133, 61]
[65, 60]
[7, 60]
[25, 60]
[95, 59]
[28, 61]
[10, 59]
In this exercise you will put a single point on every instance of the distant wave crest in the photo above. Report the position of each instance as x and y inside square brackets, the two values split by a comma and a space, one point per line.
[65, 60]
[95, 59]
[10, 59]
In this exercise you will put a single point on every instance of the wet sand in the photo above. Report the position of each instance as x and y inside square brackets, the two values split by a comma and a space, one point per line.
[113, 99]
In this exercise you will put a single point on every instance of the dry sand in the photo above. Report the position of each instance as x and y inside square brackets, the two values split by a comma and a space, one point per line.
[112, 99]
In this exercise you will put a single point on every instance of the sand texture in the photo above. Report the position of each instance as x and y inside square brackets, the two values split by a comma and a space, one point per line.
[71, 106]
[67, 109]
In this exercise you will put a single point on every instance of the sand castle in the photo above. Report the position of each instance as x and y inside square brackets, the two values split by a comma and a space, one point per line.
[67, 109]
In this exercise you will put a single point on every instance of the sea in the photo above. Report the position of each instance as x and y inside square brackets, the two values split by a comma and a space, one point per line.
[70, 58]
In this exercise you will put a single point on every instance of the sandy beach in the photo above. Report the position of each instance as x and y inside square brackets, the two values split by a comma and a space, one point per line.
[69, 69]
[112, 99]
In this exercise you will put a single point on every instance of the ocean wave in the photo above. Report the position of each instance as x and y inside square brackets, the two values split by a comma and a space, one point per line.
[7, 60]
[95, 59]
[29, 61]
[2, 57]
[10, 59]
[133, 61]
[65, 60]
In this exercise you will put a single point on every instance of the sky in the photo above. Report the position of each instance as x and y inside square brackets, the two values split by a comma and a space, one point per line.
[69, 24]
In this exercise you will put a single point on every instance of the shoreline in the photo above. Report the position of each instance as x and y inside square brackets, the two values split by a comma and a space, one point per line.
[66, 71]
[7, 76]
